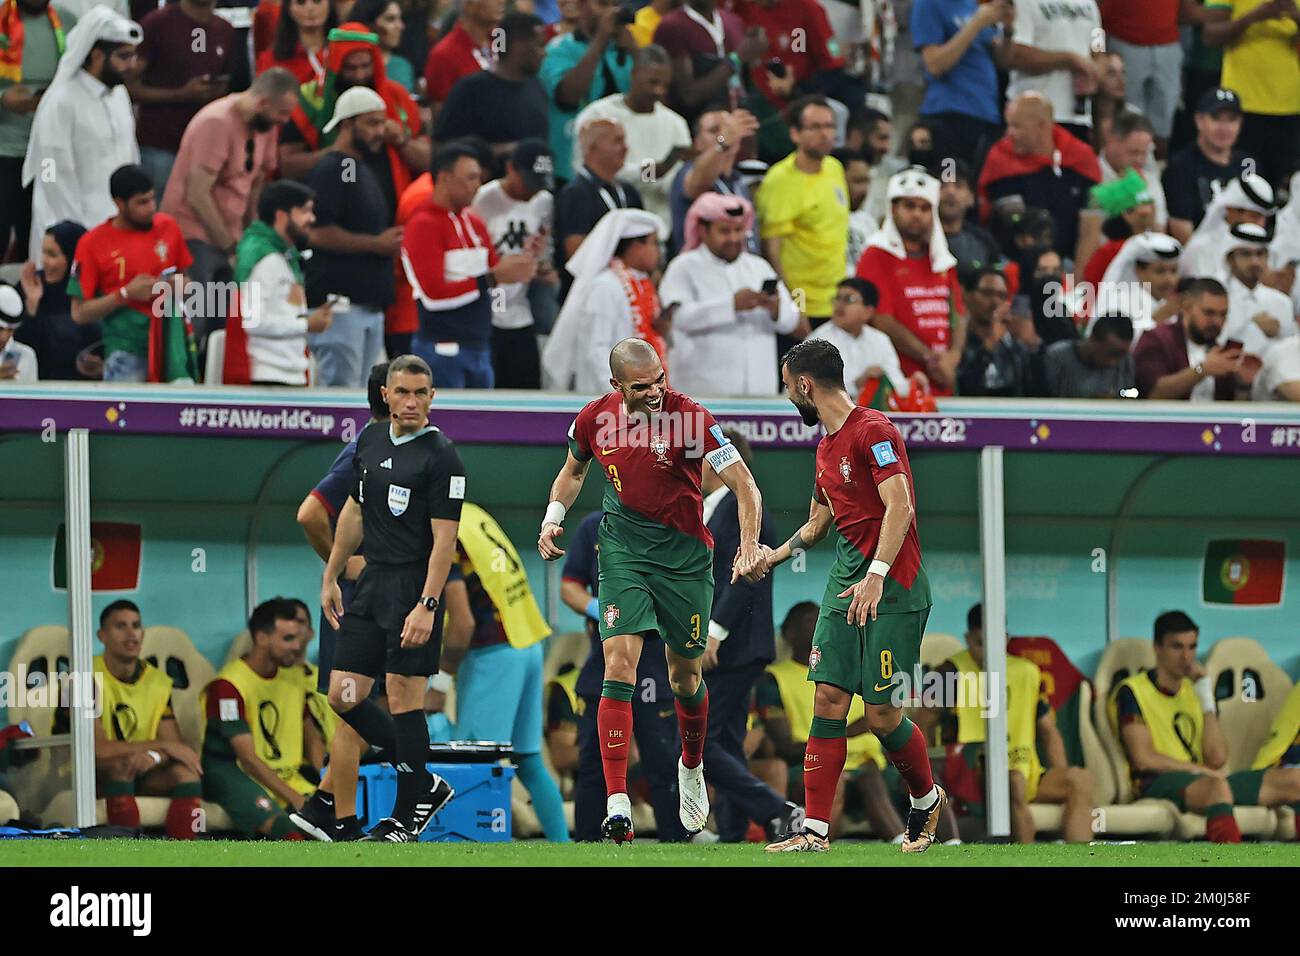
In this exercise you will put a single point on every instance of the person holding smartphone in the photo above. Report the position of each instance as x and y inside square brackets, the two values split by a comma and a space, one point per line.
[731, 304]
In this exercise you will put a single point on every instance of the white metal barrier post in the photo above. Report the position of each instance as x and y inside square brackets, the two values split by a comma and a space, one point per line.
[993, 553]
[76, 494]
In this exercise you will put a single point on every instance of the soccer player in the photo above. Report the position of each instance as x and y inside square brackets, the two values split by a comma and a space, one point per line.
[656, 562]
[876, 603]
[410, 485]
[1168, 722]
[256, 714]
[138, 747]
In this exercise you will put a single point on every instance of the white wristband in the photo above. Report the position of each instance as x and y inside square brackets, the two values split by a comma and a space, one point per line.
[718, 632]
[1205, 692]
[878, 567]
[555, 512]
[442, 681]
[157, 757]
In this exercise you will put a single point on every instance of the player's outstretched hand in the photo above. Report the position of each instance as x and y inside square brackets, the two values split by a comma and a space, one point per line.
[750, 563]
[546, 545]
[866, 596]
[331, 602]
[417, 627]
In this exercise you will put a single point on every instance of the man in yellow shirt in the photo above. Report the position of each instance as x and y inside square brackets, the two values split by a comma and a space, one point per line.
[803, 209]
[138, 747]
[1030, 723]
[647, 20]
[255, 710]
[1169, 726]
[1258, 38]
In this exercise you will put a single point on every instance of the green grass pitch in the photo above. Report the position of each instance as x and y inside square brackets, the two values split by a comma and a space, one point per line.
[83, 853]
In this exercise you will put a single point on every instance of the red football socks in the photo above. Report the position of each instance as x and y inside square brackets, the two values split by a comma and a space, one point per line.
[181, 814]
[693, 725]
[614, 726]
[910, 756]
[123, 811]
[823, 762]
[1221, 825]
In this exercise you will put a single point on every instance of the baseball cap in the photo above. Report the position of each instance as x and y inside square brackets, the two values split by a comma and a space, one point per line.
[11, 307]
[354, 101]
[1218, 99]
[532, 159]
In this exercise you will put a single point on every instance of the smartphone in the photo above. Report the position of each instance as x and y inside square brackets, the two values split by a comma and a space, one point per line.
[769, 287]
[340, 302]
[1234, 344]
[220, 78]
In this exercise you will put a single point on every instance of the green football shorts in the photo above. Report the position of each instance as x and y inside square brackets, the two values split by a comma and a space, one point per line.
[633, 602]
[865, 660]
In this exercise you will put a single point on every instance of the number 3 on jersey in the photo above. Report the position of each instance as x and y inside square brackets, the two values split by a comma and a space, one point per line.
[614, 479]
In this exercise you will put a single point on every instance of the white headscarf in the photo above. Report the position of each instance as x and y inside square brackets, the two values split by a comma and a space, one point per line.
[99, 24]
[914, 183]
[1121, 291]
[590, 259]
[1203, 255]
[1286, 230]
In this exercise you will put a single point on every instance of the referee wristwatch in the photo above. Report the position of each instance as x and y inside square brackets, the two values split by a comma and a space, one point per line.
[429, 603]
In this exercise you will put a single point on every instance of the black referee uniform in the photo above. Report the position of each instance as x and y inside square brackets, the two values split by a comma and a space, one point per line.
[401, 485]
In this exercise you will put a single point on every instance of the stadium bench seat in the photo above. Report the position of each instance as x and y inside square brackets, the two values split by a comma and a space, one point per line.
[1251, 690]
[241, 645]
[153, 813]
[45, 649]
[937, 648]
[171, 651]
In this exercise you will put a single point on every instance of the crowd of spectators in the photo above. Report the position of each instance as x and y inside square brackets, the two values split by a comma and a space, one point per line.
[1018, 189]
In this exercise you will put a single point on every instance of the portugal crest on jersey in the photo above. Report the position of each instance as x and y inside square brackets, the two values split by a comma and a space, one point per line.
[846, 470]
[814, 657]
[611, 615]
[398, 499]
[659, 445]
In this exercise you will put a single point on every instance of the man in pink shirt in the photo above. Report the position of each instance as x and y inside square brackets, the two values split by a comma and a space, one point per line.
[227, 153]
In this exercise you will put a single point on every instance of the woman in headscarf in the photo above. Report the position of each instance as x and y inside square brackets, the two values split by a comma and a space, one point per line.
[62, 347]
[1141, 282]
[612, 298]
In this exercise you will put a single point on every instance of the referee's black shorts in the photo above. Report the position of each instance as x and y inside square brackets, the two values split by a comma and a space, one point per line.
[370, 634]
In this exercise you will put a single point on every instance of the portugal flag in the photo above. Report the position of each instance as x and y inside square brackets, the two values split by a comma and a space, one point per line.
[115, 565]
[1243, 572]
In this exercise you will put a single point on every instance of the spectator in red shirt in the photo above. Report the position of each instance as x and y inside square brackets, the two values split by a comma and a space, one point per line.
[466, 49]
[266, 16]
[300, 40]
[921, 307]
[710, 49]
[452, 264]
[1145, 35]
[176, 79]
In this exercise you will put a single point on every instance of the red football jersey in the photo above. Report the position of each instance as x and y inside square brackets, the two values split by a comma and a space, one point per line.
[652, 463]
[850, 464]
[922, 300]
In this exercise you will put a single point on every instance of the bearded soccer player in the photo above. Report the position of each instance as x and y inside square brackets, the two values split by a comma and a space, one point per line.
[656, 561]
[876, 603]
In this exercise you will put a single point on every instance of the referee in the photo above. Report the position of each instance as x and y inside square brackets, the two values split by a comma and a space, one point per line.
[407, 497]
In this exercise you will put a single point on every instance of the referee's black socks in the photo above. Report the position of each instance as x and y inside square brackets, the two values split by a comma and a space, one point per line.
[376, 727]
[412, 754]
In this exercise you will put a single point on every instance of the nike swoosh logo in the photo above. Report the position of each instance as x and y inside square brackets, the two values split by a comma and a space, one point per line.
[878, 688]
[608, 451]
[615, 746]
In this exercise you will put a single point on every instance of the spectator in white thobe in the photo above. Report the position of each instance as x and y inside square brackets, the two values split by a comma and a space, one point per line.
[83, 129]
[730, 305]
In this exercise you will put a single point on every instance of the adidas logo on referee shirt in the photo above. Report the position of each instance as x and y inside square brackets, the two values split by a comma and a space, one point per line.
[386, 463]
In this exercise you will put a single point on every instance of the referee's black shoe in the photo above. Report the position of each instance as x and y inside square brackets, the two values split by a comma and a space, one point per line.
[440, 794]
[389, 830]
[316, 818]
[788, 822]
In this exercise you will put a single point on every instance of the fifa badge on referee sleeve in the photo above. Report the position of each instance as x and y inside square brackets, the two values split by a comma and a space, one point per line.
[456, 488]
[884, 453]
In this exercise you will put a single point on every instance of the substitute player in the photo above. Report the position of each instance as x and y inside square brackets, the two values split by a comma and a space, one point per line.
[410, 484]
[876, 603]
[656, 561]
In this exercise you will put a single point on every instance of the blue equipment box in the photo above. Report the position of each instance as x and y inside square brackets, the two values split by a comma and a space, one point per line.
[478, 813]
